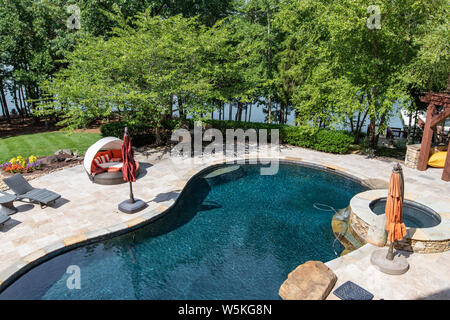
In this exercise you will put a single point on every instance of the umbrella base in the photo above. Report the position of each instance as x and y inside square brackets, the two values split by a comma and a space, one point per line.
[397, 266]
[127, 207]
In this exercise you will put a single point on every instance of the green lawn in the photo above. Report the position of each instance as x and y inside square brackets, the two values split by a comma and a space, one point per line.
[44, 144]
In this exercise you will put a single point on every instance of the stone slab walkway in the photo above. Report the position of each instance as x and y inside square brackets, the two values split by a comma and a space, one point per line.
[87, 209]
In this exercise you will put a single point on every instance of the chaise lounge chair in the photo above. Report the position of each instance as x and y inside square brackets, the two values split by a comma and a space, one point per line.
[3, 218]
[23, 190]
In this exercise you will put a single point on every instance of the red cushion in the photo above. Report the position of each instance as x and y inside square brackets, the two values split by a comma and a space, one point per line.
[99, 156]
[112, 169]
[116, 153]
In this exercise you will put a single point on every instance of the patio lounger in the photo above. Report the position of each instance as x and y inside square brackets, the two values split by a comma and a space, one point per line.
[23, 190]
[3, 218]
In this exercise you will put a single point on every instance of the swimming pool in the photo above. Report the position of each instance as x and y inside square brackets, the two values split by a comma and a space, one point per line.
[232, 234]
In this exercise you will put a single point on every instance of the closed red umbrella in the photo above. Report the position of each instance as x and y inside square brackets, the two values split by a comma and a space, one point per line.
[129, 165]
[129, 168]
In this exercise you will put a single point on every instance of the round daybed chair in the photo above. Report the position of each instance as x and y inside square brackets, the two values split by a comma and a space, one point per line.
[103, 162]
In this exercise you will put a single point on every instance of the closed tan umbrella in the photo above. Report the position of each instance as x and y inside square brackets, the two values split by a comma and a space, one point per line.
[388, 263]
[394, 209]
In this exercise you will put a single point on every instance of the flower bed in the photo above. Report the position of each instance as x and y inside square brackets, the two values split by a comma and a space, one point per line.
[21, 165]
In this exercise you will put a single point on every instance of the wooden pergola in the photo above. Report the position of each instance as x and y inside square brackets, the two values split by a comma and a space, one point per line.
[434, 117]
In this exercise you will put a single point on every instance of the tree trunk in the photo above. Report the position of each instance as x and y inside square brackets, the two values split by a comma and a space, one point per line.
[230, 111]
[269, 104]
[180, 108]
[239, 112]
[246, 112]
[359, 126]
[351, 123]
[372, 140]
[377, 136]
[4, 104]
[171, 107]
[16, 103]
[286, 114]
[409, 126]
[158, 135]
[415, 126]
[22, 99]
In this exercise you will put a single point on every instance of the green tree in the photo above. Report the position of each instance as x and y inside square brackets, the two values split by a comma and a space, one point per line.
[136, 73]
[335, 61]
[33, 39]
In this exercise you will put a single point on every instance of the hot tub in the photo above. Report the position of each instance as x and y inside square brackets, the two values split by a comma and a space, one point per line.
[425, 215]
[415, 215]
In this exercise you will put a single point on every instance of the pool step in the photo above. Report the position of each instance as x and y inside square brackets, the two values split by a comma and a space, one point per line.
[339, 224]
[224, 174]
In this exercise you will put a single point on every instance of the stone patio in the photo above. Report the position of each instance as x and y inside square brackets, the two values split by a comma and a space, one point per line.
[428, 276]
[87, 210]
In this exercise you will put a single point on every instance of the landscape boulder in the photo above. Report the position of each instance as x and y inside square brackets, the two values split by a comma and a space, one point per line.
[66, 152]
[312, 280]
[48, 160]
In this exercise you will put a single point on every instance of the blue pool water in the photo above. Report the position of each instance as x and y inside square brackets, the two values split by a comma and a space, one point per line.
[233, 236]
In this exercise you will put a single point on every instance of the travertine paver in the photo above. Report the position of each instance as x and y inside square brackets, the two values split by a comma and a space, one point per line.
[428, 276]
[87, 210]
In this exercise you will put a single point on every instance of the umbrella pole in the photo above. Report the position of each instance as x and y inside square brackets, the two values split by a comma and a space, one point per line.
[390, 254]
[131, 193]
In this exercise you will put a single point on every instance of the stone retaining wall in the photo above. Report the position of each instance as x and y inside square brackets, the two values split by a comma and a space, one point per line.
[358, 228]
[419, 246]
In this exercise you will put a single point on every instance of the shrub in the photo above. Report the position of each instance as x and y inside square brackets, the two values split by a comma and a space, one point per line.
[140, 134]
[332, 141]
[116, 129]
[303, 136]
[400, 143]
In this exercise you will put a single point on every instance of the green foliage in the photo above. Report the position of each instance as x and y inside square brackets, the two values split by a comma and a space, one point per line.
[303, 136]
[429, 69]
[126, 74]
[333, 65]
[230, 124]
[147, 61]
[318, 139]
[141, 134]
[116, 129]
[33, 40]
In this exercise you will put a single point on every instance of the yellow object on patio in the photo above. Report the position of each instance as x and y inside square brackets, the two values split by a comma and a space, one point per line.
[437, 160]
